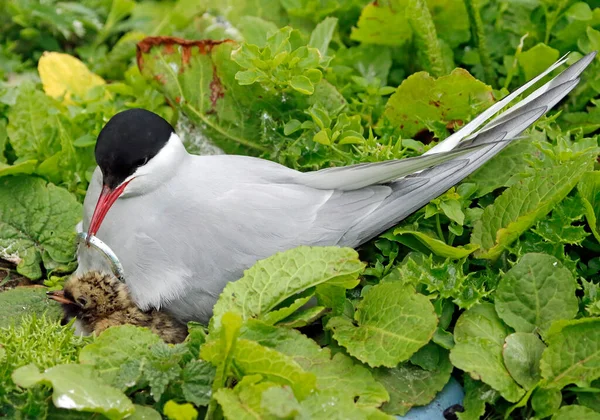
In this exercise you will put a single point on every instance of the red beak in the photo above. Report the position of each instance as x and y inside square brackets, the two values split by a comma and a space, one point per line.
[107, 198]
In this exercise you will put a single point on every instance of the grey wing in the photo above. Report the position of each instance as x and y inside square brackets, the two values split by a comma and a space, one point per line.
[414, 191]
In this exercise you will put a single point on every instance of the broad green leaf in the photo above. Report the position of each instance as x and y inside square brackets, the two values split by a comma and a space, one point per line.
[175, 411]
[479, 335]
[340, 373]
[477, 394]
[322, 34]
[573, 353]
[116, 348]
[277, 315]
[451, 21]
[421, 99]
[251, 399]
[392, 322]
[143, 412]
[302, 84]
[410, 385]
[197, 378]
[334, 405]
[272, 280]
[505, 168]
[23, 168]
[76, 387]
[31, 129]
[332, 297]
[535, 292]
[523, 204]
[537, 59]
[438, 247]
[250, 358]
[522, 353]
[576, 412]
[220, 351]
[589, 190]
[198, 77]
[64, 76]
[304, 317]
[37, 224]
[546, 402]
[383, 23]
[255, 30]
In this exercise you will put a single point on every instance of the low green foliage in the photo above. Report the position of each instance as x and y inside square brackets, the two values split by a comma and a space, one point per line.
[495, 282]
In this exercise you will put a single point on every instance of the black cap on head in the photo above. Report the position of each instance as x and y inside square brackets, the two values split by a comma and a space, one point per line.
[127, 141]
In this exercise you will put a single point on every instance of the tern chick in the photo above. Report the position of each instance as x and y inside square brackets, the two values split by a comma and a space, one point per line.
[100, 300]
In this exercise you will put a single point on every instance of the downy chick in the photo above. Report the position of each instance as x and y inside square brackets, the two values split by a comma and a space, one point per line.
[100, 300]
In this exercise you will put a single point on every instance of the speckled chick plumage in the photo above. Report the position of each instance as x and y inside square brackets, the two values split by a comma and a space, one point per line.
[100, 300]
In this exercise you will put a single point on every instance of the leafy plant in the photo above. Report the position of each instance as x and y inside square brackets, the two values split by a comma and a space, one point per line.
[494, 283]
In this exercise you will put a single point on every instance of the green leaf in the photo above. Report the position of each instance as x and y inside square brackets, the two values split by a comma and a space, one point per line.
[256, 30]
[278, 315]
[573, 353]
[76, 387]
[522, 353]
[479, 335]
[438, 247]
[383, 23]
[220, 351]
[284, 275]
[537, 59]
[23, 168]
[304, 317]
[198, 77]
[197, 378]
[37, 224]
[576, 412]
[251, 399]
[251, 358]
[340, 373]
[392, 322]
[505, 169]
[421, 99]
[523, 204]
[143, 412]
[546, 402]
[535, 292]
[451, 21]
[333, 405]
[477, 394]
[302, 84]
[410, 385]
[322, 34]
[116, 348]
[589, 190]
[31, 129]
[175, 411]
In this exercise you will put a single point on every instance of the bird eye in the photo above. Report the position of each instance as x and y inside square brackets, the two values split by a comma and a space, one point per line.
[82, 301]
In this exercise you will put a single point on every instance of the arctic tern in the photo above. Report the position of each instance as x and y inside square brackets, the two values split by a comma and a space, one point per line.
[183, 226]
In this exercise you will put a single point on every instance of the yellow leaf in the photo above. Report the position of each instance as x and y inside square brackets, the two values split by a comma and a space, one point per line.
[63, 74]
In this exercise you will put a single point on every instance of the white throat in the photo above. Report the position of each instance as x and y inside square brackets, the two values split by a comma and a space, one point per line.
[158, 169]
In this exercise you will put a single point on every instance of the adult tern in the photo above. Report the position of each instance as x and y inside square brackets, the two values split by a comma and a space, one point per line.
[183, 225]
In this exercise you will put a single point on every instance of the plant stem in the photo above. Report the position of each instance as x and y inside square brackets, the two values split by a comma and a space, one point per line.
[438, 225]
[479, 37]
[425, 37]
